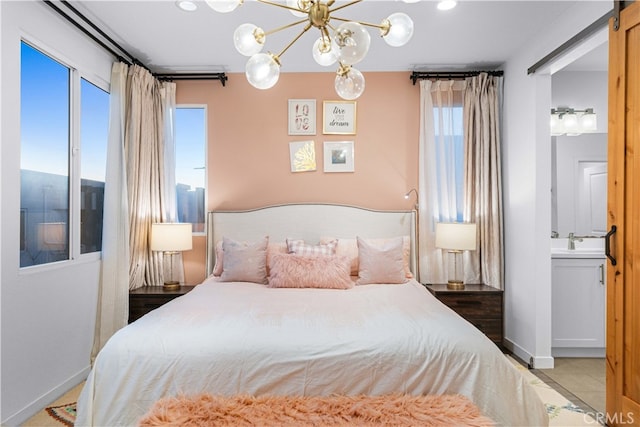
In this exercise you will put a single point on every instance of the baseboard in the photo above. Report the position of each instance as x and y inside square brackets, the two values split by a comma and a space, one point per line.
[534, 362]
[578, 352]
[43, 401]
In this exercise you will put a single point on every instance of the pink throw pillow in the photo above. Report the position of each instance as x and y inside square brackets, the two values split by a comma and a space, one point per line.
[244, 262]
[380, 263]
[298, 271]
[349, 247]
[272, 248]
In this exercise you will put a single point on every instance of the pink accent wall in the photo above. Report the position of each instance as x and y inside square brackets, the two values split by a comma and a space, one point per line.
[248, 145]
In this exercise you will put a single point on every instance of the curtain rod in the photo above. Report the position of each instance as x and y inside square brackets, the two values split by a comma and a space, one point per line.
[564, 47]
[421, 75]
[194, 76]
[91, 35]
[132, 60]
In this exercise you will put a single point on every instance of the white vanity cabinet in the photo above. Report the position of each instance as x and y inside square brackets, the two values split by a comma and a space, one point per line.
[578, 307]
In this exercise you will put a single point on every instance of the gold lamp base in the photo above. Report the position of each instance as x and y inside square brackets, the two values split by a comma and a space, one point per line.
[455, 284]
[171, 286]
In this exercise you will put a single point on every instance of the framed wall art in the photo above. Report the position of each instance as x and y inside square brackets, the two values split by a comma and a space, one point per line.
[302, 155]
[338, 156]
[339, 117]
[302, 117]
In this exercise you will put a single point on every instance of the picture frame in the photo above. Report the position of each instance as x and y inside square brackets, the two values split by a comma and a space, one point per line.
[302, 116]
[302, 156]
[339, 156]
[339, 117]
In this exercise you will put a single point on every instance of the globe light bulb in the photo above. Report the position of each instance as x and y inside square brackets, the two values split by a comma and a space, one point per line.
[224, 6]
[299, 4]
[324, 52]
[262, 71]
[248, 39]
[349, 83]
[353, 42]
[400, 29]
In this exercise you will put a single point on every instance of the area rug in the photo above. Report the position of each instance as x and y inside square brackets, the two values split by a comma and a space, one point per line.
[66, 414]
[561, 411]
[303, 411]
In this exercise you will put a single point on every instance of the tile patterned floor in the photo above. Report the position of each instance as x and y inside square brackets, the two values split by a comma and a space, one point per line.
[583, 378]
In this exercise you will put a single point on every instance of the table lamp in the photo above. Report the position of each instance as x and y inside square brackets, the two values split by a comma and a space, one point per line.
[455, 237]
[171, 238]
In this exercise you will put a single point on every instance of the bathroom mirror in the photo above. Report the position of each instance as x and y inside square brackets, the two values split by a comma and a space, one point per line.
[579, 163]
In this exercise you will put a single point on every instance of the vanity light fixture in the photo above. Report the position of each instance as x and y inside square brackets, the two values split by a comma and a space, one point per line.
[571, 122]
[346, 43]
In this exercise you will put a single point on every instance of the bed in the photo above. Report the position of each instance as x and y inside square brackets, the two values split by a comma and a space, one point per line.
[237, 337]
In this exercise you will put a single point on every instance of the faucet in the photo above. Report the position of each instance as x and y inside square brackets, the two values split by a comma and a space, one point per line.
[572, 241]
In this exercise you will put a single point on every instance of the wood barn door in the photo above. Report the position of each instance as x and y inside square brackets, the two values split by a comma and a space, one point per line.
[623, 209]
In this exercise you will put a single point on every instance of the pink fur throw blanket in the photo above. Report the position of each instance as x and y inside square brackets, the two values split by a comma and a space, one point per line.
[303, 411]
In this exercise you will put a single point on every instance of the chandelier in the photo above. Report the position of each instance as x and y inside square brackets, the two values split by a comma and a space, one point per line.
[345, 44]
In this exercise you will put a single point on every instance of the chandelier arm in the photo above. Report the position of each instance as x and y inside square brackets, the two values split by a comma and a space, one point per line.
[295, 9]
[284, 27]
[304, 30]
[368, 24]
[341, 7]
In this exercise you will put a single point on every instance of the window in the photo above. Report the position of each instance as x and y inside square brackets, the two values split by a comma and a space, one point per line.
[94, 132]
[47, 169]
[190, 165]
[449, 139]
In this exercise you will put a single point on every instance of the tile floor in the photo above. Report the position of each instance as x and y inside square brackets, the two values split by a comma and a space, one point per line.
[584, 378]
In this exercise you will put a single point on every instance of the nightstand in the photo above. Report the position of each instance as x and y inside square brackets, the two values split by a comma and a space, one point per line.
[480, 305]
[147, 298]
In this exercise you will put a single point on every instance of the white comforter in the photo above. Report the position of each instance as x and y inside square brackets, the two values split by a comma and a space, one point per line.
[231, 338]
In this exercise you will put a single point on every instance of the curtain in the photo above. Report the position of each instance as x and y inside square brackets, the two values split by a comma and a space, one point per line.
[440, 169]
[459, 174]
[135, 192]
[483, 178]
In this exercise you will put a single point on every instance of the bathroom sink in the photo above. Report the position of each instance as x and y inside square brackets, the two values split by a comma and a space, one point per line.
[587, 248]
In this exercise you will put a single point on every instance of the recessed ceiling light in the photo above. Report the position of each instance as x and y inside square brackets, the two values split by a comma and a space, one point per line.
[447, 4]
[187, 5]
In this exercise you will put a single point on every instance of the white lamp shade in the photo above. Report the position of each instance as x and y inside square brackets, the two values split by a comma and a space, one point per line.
[456, 236]
[171, 236]
[588, 122]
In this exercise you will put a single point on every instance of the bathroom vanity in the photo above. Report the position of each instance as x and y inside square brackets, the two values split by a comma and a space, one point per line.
[578, 298]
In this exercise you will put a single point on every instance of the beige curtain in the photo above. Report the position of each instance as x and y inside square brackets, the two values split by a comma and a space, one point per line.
[483, 178]
[134, 192]
[440, 198]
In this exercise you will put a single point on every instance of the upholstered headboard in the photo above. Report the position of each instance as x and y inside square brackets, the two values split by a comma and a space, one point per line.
[309, 222]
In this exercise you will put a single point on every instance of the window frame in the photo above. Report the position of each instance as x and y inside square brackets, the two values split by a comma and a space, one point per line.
[76, 74]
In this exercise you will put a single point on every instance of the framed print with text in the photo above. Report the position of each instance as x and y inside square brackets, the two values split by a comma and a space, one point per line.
[338, 156]
[302, 117]
[339, 117]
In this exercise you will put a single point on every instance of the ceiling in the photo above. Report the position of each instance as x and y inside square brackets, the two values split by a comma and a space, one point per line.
[477, 34]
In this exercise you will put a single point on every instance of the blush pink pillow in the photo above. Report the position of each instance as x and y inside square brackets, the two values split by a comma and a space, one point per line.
[349, 247]
[381, 263]
[298, 271]
[272, 248]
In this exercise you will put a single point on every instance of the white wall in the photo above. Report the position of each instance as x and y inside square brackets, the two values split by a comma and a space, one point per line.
[48, 312]
[527, 185]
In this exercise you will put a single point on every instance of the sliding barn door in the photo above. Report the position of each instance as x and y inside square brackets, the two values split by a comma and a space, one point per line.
[623, 208]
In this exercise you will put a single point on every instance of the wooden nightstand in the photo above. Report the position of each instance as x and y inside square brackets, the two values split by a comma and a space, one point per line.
[147, 298]
[480, 305]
